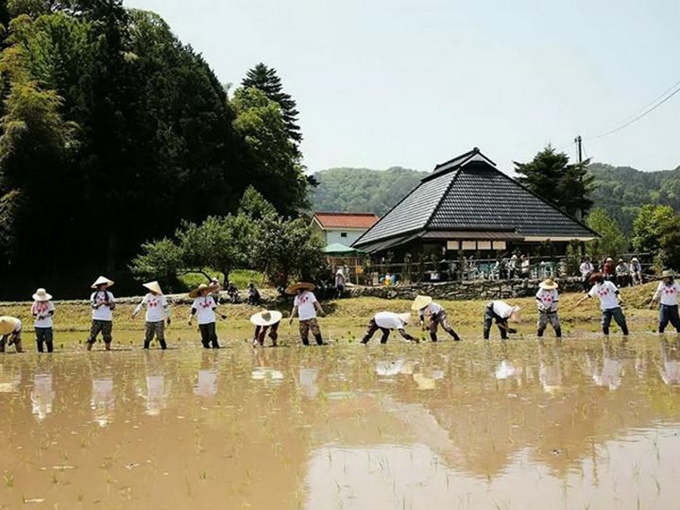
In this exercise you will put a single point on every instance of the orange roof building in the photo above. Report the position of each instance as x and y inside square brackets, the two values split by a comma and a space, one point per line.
[342, 227]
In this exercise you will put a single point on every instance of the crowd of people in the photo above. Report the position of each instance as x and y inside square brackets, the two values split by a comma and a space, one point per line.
[621, 273]
[307, 308]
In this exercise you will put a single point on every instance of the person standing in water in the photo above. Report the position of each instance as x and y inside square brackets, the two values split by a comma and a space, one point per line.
[667, 294]
[43, 311]
[204, 308]
[306, 306]
[610, 304]
[157, 312]
[547, 299]
[103, 304]
[428, 308]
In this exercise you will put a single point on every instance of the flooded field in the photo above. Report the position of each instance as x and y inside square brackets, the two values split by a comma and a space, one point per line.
[584, 424]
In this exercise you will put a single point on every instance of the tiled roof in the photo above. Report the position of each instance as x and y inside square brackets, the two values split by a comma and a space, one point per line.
[346, 220]
[469, 193]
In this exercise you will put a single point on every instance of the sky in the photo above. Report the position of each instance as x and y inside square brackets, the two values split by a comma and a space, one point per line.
[413, 83]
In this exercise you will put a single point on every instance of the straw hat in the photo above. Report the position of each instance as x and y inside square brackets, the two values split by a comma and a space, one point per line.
[515, 316]
[668, 274]
[41, 295]
[421, 302]
[405, 317]
[153, 287]
[102, 280]
[292, 289]
[548, 284]
[8, 324]
[266, 318]
[197, 291]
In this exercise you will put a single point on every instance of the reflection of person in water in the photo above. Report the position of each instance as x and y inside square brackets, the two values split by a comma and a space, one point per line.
[103, 402]
[206, 385]
[550, 369]
[612, 369]
[307, 381]
[10, 379]
[670, 357]
[157, 388]
[42, 395]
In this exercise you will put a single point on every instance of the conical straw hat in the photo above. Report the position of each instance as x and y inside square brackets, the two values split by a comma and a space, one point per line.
[292, 289]
[548, 284]
[405, 317]
[8, 324]
[153, 287]
[421, 302]
[102, 280]
[197, 291]
[266, 318]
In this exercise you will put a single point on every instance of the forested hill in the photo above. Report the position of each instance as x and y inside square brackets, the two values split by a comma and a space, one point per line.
[620, 190]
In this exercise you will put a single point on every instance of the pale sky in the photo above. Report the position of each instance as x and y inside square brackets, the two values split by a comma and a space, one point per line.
[413, 83]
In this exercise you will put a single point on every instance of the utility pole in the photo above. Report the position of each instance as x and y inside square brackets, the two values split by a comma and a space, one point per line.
[579, 145]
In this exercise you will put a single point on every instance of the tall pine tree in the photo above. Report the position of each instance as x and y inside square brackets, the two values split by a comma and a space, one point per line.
[267, 80]
[550, 176]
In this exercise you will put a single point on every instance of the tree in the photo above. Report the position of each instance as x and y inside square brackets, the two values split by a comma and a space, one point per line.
[550, 176]
[613, 242]
[267, 80]
[648, 224]
[255, 206]
[669, 243]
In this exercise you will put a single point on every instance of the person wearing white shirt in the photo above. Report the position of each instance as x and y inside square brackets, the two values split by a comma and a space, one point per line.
[305, 306]
[204, 308]
[547, 299]
[500, 312]
[43, 311]
[157, 312]
[10, 333]
[103, 304]
[586, 269]
[385, 322]
[608, 294]
[426, 307]
[667, 296]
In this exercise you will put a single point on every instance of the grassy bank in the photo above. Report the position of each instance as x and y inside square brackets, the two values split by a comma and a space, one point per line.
[349, 315]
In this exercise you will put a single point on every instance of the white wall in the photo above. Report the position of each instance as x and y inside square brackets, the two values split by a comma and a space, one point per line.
[335, 236]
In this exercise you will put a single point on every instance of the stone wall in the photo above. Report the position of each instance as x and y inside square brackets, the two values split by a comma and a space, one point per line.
[465, 290]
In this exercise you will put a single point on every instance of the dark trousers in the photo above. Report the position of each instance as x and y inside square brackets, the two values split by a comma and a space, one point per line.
[438, 319]
[617, 315]
[586, 282]
[261, 332]
[489, 318]
[156, 329]
[103, 327]
[669, 313]
[43, 336]
[373, 327]
[208, 335]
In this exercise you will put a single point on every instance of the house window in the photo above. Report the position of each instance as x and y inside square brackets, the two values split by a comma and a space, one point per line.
[343, 234]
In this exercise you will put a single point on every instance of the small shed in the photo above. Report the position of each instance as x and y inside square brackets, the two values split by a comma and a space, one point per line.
[342, 227]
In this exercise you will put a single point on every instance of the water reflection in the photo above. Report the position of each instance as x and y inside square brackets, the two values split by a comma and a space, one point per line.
[42, 394]
[670, 358]
[206, 382]
[103, 401]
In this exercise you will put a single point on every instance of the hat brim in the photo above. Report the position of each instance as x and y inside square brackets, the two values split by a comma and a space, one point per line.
[44, 297]
[292, 289]
[153, 287]
[421, 302]
[8, 325]
[546, 286]
[197, 292]
[258, 319]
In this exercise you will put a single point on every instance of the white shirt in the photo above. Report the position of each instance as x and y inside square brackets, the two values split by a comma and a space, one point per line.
[388, 320]
[502, 309]
[667, 293]
[608, 294]
[43, 308]
[205, 309]
[431, 309]
[305, 305]
[156, 307]
[103, 313]
[586, 268]
[549, 299]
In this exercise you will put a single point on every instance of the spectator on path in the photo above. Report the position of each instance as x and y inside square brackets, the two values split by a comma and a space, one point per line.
[547, 299]
[103, 303]
[215, 283]
[635, 271]
[610, 304]
[426, 307]
[340, 282]
[525, 267]
[385, 322]
[253, 295]
[204, 308]
[586, 269]
[500, 312]
[608, 269]
[667, 295]
[622, 276]
[10, 333]
[157, 312]
[43, 311]
[266, 321]
[306, 306]
[512, 267]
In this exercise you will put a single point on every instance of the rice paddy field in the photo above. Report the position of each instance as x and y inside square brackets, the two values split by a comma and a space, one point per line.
[587, 422]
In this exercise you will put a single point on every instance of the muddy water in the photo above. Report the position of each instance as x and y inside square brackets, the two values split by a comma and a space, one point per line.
[585, 424]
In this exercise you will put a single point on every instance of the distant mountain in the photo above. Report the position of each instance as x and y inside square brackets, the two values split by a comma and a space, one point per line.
[620, 190]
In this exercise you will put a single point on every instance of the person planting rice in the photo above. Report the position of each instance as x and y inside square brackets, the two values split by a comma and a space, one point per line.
[609, 302]
[547, 299]
[43, 311]
[103, 304]
[667, 294]
[500, 312]
[157, 312]
[428, 308]
[204, 308]
[385, 322]
[10, 333]
[266, 321]
[306, 306]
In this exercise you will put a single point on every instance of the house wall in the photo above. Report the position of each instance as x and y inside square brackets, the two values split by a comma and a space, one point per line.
[336, 236]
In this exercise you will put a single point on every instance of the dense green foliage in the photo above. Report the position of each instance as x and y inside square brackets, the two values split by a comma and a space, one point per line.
[648, 225]
[362, 190]
[113, 132]
[613, 243]
[550, 176]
